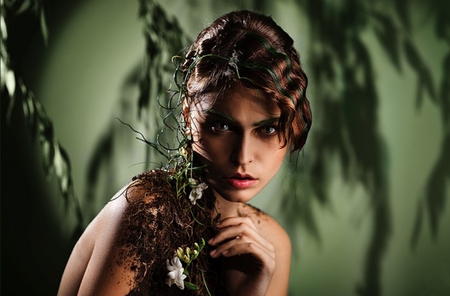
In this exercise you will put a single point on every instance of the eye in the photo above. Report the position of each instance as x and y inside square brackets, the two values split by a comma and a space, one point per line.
[220, 127]
[268, 130]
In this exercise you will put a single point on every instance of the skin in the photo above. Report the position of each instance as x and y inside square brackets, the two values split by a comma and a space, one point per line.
[237, 139]
[234, 137]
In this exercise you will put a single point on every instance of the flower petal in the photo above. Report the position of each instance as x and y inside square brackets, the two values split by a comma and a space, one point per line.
[197, 192]
[175, 274]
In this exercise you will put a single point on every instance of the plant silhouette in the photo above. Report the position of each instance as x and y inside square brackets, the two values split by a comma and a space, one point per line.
[346, 112]
[345, 126]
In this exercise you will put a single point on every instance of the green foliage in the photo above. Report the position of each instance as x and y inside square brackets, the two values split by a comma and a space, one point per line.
[187, 256]
[13, 88]
[345, 111]
[346, 107]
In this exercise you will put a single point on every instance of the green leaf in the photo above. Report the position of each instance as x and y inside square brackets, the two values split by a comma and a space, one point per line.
[10, 81]
[387, 35]
[25, 5]
[424, 76]
[190, 286]
[417, 224]
[44, 27]
[402, 9]
[3, 29]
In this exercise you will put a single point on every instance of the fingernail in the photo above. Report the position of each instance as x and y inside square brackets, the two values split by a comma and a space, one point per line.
[210, 241]
[212, 252]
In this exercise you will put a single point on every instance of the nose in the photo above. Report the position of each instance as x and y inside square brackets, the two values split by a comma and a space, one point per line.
[243, 150]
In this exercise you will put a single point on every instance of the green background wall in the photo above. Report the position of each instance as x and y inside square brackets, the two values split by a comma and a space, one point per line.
[80, 77]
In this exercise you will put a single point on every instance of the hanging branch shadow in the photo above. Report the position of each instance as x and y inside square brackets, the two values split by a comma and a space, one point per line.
[346, 123]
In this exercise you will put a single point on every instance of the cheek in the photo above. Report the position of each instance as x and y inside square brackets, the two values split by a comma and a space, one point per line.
[202, 151]
[278, 157]
[206, 148]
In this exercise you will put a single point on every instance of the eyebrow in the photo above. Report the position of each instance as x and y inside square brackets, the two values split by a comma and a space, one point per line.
[267, 121]
[231, 119]
[221, 115]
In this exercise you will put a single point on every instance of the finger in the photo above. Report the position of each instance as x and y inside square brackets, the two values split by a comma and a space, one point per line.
[227, 222]
[241, 230]
[259, 253]
[230, 223]
[240, 242]
[249, 248]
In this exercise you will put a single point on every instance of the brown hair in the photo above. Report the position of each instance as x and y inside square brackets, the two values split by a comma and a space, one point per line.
[251, 49]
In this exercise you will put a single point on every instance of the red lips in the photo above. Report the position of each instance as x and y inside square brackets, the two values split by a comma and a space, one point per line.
[241, 181]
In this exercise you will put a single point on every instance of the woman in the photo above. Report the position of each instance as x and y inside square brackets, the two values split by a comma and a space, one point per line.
[186, 229]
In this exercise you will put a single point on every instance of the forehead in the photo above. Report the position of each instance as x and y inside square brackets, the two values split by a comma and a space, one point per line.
[239, 99]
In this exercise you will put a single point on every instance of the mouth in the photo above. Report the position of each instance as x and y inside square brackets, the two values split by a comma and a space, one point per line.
[240, 181]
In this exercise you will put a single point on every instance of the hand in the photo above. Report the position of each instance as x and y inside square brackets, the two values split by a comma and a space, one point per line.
[249, 259]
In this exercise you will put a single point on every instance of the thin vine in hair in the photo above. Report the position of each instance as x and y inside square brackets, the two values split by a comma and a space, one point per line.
[169, 216]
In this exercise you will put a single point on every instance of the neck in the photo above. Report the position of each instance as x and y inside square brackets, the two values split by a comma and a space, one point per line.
[226, 208]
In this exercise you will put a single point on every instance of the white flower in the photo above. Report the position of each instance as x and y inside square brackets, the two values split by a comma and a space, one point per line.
[182, 151]
[175, 275]
[197, 192]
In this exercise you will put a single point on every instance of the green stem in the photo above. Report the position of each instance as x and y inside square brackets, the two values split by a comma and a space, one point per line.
[204, 282]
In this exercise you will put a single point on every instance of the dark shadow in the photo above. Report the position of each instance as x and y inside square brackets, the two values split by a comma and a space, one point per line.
[345, 116]
[345, 126]
[433, 201]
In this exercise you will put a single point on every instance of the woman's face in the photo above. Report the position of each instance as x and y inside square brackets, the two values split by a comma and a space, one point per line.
[237, 138]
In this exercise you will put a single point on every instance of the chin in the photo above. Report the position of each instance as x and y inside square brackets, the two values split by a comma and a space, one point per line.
[238, 196]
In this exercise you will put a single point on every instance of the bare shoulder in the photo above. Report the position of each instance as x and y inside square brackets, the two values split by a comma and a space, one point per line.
[267, 226]
[92, 249]
[104, 260]
[131, 239]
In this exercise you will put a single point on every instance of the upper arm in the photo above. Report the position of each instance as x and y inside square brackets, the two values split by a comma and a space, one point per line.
[104, 275]
[76, 265]
[93, 267]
